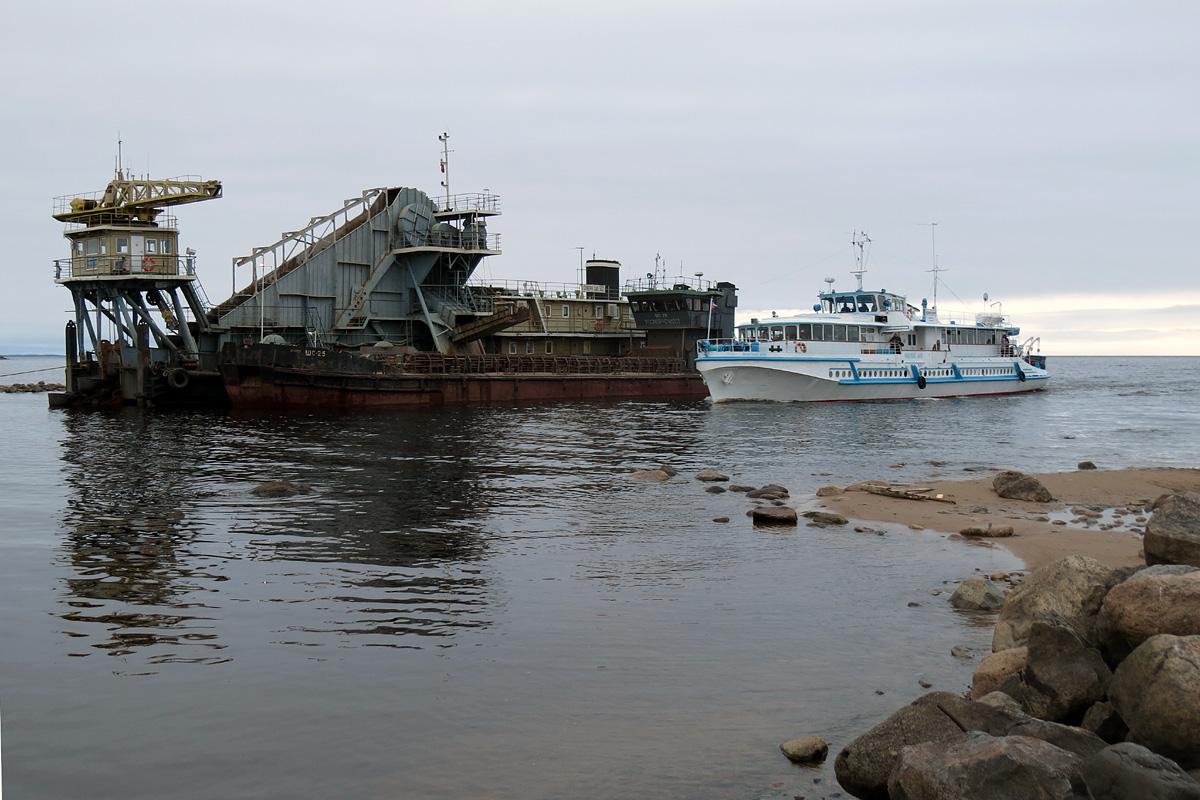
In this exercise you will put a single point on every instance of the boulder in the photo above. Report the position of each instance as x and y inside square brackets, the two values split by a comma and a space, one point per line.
[828, 491]
[1155, 691]
[805, 750]
[1128, 770]
[774, 515]
[995, 669]
[1085, 465]
[863, 766]
[983, 766]
[670, 470]
[1149, 604]
[280, 489]
[1073, 587]
[1173, 532]
[826, 518]
[977, 594]
[1019, 486]
[1104, 721]
[1063, 675]
[715, 489]
[711, 475]
[1079, 741]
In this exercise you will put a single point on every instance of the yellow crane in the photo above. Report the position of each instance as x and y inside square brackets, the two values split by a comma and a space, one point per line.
[133, 200]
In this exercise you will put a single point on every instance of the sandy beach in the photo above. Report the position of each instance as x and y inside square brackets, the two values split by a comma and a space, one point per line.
[1036, 539]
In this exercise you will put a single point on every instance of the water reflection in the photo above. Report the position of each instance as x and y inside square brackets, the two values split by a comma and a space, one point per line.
[163, 534]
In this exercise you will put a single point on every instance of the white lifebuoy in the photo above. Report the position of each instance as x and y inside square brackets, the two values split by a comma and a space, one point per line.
[801, 347]
[909, 312]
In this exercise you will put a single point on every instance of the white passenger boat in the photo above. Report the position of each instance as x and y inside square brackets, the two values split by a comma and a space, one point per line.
[870, 345]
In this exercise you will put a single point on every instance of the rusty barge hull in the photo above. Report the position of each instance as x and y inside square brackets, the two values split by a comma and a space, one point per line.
[276, 377]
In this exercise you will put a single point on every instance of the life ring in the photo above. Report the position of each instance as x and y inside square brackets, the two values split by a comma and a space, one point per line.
[178, 378]
[909, 312]
[1020, 375]
[148, 264]
[801, 347]
[599, 325]
[921, 381]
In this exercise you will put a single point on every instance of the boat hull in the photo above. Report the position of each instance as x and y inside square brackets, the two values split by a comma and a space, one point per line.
[269, 377]
[825, 380]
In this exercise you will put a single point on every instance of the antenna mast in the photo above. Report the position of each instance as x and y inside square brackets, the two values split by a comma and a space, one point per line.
[860, 240]
[936, 269]
[445, 139]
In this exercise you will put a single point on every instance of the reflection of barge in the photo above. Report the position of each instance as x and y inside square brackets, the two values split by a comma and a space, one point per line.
[374, 304]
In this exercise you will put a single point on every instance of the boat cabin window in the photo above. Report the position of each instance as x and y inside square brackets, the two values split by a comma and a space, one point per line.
[763, 333]
[566, 311]
[866, 302]
[804, 331]
[789, 331]
[122, 244]
[776, 333]
[851, 333]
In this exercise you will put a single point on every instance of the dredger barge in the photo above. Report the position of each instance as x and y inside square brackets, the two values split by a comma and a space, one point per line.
[373, 305]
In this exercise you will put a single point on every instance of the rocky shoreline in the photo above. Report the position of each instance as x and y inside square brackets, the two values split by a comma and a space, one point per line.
[1092, 689]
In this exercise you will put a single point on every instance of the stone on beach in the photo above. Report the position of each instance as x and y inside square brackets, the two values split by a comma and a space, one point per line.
[977, 594]
[1013, 485]
[828, 491]
[1150, 604]
[826, 518]
[711, 475]
[991, 531]
[1127, 770]
[995, 669]
[1073, 587]
[984, 766]
[774, 515]
[1173, 532]
[1063, 676]
[1155, 691]
[805, 750]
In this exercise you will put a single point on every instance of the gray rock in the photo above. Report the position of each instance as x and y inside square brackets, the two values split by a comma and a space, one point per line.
[711, 475]
[1019, 486]
[667, 468]
[280, 489]
[826, 518]
[1125, 771]
[1155, 690]
[1001, 700]
[1073, 587]
[828, 491]
[805, 750]
[977, 594]
[1063, 675]
[1173, 532]
[983, 766]
[774, 515]
[991, 531]
[863, 766]
[1104, 721]
[715, 489]
[1086, 465]
[734, 487]
[1079, 741]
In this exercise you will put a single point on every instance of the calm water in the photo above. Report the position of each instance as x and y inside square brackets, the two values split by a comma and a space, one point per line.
[479, 602]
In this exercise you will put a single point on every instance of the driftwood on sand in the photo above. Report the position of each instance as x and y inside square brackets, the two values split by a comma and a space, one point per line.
[905, 494]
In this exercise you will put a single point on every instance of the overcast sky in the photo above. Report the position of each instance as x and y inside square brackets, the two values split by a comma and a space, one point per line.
[1055, 144]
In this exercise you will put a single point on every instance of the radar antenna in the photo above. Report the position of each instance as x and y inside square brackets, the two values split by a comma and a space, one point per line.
[445, 139]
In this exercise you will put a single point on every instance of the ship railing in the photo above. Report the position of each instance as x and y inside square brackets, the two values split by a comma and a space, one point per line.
[456, 239]
[471, 201]
[547, 290]
[437, 364]
[652, 283]
[167, 222]
[124, 264]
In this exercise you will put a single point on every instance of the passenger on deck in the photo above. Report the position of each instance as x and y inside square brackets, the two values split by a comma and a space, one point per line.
[896, 342]
[937, 345]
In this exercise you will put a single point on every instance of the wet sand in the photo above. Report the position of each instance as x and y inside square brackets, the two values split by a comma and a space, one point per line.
[1035, 541]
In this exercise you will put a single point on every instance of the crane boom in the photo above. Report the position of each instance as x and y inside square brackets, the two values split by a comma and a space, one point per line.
[127, 199]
